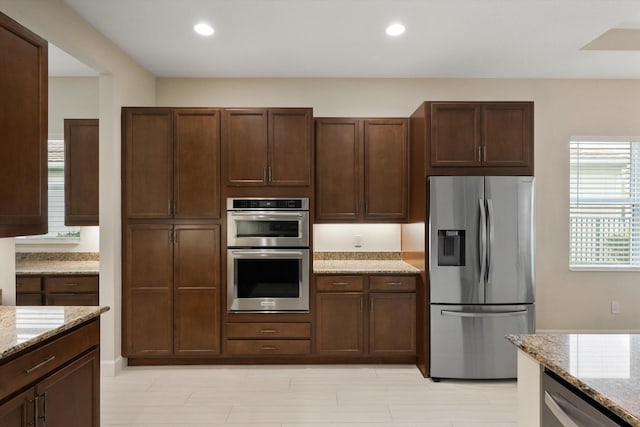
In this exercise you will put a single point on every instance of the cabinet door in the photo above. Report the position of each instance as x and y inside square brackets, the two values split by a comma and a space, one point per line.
[81, 171]
[245, 149]
[290, 148]
[340, 324]
[148, 174]
[71, 396]
[392, 323]
[507, 134]
[455, 134]
[23, 120]
[197, 290]
[197, 163]
[338, 171]
[386, 174]
[148, 290]
[18, 412]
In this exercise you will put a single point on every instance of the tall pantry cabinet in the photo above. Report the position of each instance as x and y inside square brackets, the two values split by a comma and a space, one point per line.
[171, 232]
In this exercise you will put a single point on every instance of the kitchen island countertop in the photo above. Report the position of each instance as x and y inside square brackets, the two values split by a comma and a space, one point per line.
[603, 366]
[26, 326]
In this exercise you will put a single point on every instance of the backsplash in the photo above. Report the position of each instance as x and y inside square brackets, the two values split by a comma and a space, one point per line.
[356, 237]
[357, 256]
[57, 256]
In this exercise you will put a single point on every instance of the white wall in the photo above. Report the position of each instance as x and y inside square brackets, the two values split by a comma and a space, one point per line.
[121, 82]
[8, 270]
[565, 300]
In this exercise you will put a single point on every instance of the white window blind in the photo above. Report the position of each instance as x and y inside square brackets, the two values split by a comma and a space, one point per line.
[605, 204]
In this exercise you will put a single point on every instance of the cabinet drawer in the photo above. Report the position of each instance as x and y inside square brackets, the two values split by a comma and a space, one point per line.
[268, 330]
[71, 284]
[268, 347]
[340, 283]
[28, 368]
[392, 283]
[28, 284]
[58, 298]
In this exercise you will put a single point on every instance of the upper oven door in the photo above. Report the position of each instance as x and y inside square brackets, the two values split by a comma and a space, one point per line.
[268, 229]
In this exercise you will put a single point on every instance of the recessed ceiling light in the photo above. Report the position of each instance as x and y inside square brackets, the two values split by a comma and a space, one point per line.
[203, 29]
[395, 29]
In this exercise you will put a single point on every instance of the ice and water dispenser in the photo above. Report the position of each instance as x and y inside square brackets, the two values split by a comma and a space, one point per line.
[451, 248]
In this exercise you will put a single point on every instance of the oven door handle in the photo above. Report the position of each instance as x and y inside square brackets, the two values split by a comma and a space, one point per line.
[271, 253]
[267, 214]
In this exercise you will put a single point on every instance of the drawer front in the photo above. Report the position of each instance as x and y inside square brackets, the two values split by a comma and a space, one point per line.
[30, 367]
[70, 284]
[340, 283]
[59, 298]
[28, 284]
[268, 347]
[28, 299]
[392, 283]
[268, 330]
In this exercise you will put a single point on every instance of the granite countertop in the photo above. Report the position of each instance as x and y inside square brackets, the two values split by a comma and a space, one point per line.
[25, 326]
[363, 267]
[603, 366]
[57, 263]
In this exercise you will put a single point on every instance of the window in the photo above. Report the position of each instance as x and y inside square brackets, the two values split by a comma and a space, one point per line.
[58, 232]
[604, 204]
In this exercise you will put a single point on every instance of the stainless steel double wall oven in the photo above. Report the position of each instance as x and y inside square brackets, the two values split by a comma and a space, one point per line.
[268, 255]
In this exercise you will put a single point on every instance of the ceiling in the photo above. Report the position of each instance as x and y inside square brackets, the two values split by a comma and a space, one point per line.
[346, 38]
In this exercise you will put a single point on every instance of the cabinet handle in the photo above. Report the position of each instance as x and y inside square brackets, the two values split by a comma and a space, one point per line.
[339, 283]
[270, 174]
[479, 153]
[44, 408]
[394, 283]
[71, 284]
[39, 365]
[266, 176]
[484, 153]
[267, 331]
[25, 413]
[265, 347]
[175, 236]
[35, 410]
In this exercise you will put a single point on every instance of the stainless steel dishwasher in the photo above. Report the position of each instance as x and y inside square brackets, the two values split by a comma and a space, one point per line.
[566, 407]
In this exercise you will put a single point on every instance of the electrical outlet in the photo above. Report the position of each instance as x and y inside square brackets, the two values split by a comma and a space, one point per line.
[357, 241]
[615, 307]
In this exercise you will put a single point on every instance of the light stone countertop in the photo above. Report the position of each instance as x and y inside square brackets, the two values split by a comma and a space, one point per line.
[57, 263]
[363, 267]
[603, 366]
[66, 268]
[25, 326]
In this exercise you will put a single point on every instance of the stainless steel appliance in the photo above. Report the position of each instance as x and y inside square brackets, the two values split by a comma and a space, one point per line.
[268, 255]
[481, 273]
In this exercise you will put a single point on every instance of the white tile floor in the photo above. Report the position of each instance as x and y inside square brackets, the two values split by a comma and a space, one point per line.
[301, 396]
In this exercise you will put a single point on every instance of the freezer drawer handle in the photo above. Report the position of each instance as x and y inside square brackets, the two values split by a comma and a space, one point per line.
[484, 314]
[564, 418]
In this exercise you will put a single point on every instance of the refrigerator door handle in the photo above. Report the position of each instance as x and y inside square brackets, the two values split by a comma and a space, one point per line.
[482, 241]
[483, 314]
[490, 228]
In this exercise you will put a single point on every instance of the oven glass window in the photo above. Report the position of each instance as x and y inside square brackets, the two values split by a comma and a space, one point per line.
[268, 278]
[267, 228]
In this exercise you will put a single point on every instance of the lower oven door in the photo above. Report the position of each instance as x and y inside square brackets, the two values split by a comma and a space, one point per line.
[268, 280]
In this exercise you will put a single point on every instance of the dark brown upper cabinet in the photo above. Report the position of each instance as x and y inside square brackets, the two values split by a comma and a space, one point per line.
[267, 147]
[477, 138]
[23, 120]
[172, 166]
[361, 169]
[81, 153]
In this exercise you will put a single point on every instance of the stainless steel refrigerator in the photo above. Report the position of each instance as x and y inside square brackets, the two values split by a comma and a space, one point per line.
[481, 273]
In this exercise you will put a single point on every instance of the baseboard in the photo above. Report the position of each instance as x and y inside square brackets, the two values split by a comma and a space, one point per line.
[588, 331]
[110, 368]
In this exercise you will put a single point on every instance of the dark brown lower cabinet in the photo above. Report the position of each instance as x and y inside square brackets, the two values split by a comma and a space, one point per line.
[57, 290]
[366, 316]
[63, 392]
[171, 290]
